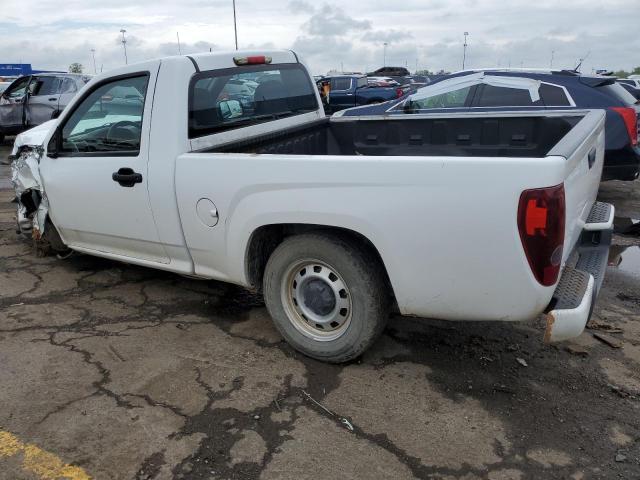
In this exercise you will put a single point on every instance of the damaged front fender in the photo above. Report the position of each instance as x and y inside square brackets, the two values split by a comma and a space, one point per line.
[33, 205]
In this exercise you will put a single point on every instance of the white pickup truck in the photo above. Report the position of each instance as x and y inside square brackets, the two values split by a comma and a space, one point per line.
[223, 166]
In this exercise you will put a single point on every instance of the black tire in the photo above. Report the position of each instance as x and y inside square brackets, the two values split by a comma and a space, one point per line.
[359, 271]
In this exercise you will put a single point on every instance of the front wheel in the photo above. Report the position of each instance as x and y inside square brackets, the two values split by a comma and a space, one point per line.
[327, 297]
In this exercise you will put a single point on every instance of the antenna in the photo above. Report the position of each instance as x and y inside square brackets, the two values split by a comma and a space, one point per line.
[577, 69]
[235, 24]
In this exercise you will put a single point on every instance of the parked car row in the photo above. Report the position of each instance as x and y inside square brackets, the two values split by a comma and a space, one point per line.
[345, 91]
[348, 90]
[475, 91]
[33, 99]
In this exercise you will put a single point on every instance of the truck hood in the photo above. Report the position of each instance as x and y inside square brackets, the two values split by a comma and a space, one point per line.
[34, 136]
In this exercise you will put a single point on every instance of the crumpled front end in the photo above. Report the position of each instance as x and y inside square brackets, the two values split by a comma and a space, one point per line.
[33, 205]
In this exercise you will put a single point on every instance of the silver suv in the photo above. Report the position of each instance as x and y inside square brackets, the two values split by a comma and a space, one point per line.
[34, 99]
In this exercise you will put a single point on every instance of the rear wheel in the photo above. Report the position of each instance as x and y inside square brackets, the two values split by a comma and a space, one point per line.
[327, 297]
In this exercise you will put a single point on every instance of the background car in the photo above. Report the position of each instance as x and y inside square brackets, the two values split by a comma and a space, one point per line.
[634, 82]
[390, 72]
[491, 90]
[346, 91]
[631, 86]
[382, 82]
[34, 99]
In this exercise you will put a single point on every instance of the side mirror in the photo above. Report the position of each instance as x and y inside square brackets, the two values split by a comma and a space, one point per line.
[230, 109]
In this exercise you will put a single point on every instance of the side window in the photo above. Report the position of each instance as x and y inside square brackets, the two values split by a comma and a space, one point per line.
[46, 85]
[238, 97]
[452, 99]
[68, 85]
[553, 96]
[628, 82]
[108, 120]
[17, 89]
[491, 96]
[340, 83]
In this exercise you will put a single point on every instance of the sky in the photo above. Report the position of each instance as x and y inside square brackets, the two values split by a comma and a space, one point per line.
[346, 35]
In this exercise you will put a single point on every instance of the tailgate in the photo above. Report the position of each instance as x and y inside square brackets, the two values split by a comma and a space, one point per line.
[583, 148]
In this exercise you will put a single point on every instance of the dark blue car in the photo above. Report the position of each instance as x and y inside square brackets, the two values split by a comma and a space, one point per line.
[350, 90]
[491, 90]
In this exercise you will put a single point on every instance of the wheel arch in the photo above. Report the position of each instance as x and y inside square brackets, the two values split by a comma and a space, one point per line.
[266, 238]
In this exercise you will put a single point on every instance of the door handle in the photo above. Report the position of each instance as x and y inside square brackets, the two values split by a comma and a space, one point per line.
[126, 177]
[53, 99]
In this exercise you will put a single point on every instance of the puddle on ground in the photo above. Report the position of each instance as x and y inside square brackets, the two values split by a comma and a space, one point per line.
[626, 226]
[626, 258]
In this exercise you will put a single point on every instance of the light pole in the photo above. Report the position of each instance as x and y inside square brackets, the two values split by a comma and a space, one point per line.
[464, 51]
[179, 49]
[384, 56]
[235, 24]
[124, 45]
[551, 62]
[93, 54]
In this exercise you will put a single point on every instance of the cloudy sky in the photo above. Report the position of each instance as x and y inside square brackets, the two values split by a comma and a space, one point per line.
[51, 34]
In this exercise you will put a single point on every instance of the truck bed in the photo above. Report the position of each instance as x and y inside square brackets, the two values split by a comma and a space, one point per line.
[451, 185]
[479, 136]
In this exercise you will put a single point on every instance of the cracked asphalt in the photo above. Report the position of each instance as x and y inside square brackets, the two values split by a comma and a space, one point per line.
[111, 371]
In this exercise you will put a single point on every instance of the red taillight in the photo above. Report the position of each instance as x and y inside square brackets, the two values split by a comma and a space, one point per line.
[541, 213]
[254, 60]
[630, 121]
[399, 92]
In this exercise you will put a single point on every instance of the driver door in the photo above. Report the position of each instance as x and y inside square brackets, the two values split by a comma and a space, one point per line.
[97, 180]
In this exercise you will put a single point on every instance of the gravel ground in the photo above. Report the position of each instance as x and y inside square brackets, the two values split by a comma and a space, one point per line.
[112, 371]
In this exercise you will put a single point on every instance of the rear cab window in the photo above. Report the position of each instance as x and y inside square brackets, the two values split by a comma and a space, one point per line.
[221, 100]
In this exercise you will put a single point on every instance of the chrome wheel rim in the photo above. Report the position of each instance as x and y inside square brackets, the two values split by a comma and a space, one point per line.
[317, 300]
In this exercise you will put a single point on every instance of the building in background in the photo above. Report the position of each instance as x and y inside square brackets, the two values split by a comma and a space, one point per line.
[14, 70]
